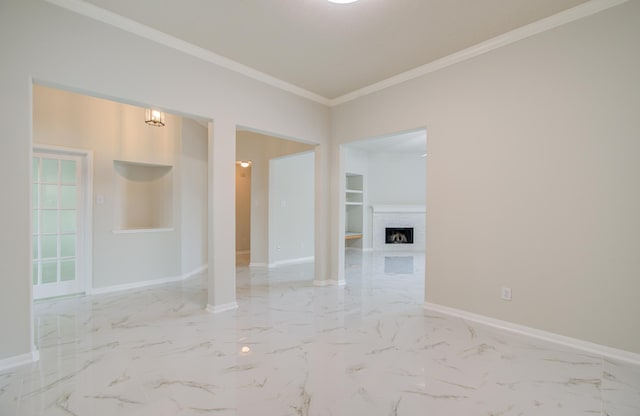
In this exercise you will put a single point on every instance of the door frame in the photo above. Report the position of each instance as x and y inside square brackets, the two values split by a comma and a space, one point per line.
[86, 263]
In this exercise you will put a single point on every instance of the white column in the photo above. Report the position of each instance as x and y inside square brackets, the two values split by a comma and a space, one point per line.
[222, 216]
[327, 233]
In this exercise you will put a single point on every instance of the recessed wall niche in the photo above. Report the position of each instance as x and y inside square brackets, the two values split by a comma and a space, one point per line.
[143, 196]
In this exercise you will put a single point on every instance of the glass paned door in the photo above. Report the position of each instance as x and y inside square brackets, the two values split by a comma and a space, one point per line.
[57, 220]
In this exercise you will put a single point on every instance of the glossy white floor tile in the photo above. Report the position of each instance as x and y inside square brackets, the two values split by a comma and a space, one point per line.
[294, 349]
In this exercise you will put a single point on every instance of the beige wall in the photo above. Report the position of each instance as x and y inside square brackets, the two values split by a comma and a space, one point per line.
[194, 194]
[533, 173]
[115, 131]
[243, 209]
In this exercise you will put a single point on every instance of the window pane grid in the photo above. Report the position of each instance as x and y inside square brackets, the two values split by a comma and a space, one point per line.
[54, 201]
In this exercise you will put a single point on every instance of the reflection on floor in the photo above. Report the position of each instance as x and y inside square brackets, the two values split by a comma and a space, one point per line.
[294, 349]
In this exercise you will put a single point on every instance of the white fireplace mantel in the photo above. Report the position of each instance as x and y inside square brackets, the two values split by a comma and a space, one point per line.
[389, 209]
[400, 216]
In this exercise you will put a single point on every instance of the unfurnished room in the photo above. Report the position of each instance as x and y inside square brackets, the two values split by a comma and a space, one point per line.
[320, 207]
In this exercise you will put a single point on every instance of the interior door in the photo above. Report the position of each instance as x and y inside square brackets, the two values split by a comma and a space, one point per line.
[57, 224]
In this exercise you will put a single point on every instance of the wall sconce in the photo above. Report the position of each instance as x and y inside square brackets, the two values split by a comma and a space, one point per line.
[244, 163]
[154, 117]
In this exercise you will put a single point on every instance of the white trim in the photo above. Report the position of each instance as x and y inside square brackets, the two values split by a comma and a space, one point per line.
[20, 360]
[298, 260]
[86, 248]
[419, 209]
[134, 285]
[195, 272]
[141, 230]
[330, 282]
[575, 13]
[258, 265]
[590, 347]
[240, 252]
[222, 308]
[94, 12]
[146, 283]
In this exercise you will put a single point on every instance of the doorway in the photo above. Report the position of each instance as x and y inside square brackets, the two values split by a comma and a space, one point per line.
[383, 192]
[60, 215]
[255, 244]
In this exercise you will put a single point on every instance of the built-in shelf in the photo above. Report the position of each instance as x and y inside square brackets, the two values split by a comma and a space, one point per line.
[353, 203]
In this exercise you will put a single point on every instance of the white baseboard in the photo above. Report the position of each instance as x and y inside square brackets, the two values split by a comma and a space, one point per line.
[258, 265]
[195, 272]
[299, 260]
[586, 346]
[20, 360]
[146, 283]
[243, 252]
[222, 308]
[331, 282]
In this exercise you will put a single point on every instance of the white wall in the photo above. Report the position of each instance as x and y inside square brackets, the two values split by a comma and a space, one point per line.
[193, 168]
[115, 131]
[397, 179]
[259, 149]
[533, 175]
[41, 41]
[291, 208]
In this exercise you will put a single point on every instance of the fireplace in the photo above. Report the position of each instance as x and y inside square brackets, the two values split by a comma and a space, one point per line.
[398, 235]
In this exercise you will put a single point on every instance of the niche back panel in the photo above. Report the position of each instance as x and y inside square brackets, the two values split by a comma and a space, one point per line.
[143, 196]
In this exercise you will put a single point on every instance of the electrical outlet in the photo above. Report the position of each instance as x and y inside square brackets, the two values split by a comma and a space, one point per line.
[506, 293]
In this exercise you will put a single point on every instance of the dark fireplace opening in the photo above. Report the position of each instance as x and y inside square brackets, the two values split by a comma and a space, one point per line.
[398, 235]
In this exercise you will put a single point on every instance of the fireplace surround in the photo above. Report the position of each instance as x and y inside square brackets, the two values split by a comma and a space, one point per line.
[409, 222]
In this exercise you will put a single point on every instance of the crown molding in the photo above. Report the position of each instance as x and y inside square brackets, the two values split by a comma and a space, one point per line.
[575, 13]
[94, 12]
[97, 13]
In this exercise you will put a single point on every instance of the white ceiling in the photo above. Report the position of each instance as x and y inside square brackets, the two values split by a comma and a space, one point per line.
[331, 49]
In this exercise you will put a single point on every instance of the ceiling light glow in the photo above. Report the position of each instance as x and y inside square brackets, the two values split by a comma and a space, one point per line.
[342, 1]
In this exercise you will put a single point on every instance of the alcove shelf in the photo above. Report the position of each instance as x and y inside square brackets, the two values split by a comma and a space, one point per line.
[354, 199]
[143, 196]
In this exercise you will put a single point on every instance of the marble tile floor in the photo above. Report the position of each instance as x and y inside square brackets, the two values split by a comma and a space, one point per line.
[368, 348]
